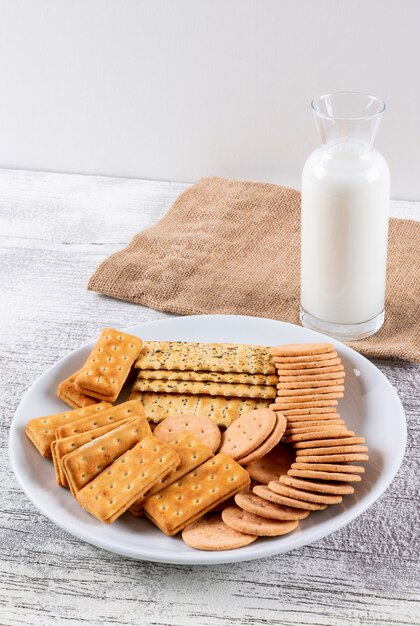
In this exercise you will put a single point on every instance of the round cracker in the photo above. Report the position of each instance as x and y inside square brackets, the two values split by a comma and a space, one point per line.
[322, 487]
[313, 396]
[323, 433]
[199, 426]
[283, 371]
[349, 449]
[308, 384]
[211, 533]
[299, 419]
[308, 358]
[242, 521]
[330, 378]
[327, 443]
[307, 364]
[316, 404]
[333, 458]
[330, 467]
[272, 465]
[324, 410]
[272, 440]
[249, 501]
[268, 494]
[247, 432]
[349, 478]
[300, 494]
[311, 427]
[301, 349]
[313, 392]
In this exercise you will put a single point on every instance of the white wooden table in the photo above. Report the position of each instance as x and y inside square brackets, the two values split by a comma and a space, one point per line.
[55, 229]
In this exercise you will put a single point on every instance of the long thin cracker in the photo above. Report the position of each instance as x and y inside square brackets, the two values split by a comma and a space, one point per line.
[129, 477]
[212, 357]
[41, 430]
[109, 364]
[222, 411]
[214, 377]
[235, 390]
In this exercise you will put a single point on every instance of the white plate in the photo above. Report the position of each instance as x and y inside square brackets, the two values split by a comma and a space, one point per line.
[370, 407]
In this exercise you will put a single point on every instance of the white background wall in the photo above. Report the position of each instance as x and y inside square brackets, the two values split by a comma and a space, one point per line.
[178, 89]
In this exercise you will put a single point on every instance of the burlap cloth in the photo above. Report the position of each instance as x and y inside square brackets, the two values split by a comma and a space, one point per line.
[234, 247]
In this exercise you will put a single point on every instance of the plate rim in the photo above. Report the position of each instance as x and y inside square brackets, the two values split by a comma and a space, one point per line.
[212, 557]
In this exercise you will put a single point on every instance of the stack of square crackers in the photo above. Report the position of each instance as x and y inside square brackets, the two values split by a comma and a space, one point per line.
[280, 427]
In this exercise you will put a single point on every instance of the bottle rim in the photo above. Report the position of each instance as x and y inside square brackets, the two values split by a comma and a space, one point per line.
[351, 118]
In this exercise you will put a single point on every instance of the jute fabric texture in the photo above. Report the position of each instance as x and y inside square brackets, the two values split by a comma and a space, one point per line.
[233, 247]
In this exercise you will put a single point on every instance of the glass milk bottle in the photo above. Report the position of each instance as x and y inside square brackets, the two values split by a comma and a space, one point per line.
[345, 208]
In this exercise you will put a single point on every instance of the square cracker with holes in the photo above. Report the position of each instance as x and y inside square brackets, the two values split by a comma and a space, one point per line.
[192, 453]
[61, 447]
[41, 430]
[108, 365]
[85, 463]
[113, 414]
[190, 497]
[110, 494]
[68, 393]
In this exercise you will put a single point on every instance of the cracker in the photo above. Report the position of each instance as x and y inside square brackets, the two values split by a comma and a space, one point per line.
[328, 467]
[308, 427]
[113, 492]
[332, 431]
[41, 430]
[315, 376]
[312, 358]
[317, 404]
[249, 501]
[351, 478]
[192, 453]
[334, 449]
[243, 521]
[305, 496]
[314, 392]
[307, 419]
[211, 533]
[215, 377]
[322, 487]
[333, 458]
[308, 384]
[208, 388]
[272, 440]
[328, 442]
[85, 463]
[272, 465]
[192, 496]
[268, 494]
[248, 432]
[222, 411]
[68, 393]
[309, 370]
[304, 410]
[320, 364]
[313, 396]
[61, 447]
[111, 415]
[201, 427]
[301, 349]
[108, 365]
[213, 357]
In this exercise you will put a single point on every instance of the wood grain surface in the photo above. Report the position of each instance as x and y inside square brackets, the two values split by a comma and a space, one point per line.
[55, 229]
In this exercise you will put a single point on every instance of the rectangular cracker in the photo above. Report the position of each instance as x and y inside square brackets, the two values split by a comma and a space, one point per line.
[228, 390]
[122, 411]
[61, 447]
[85, 463]
[113, 492]
[192, 453]
[214, 377]
[212, 357]
[41, 430]
[68, 393]
[108, 365]
[201, 490]
[222, 411]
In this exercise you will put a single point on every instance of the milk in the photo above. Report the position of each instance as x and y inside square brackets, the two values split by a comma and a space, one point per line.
[345, 208]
